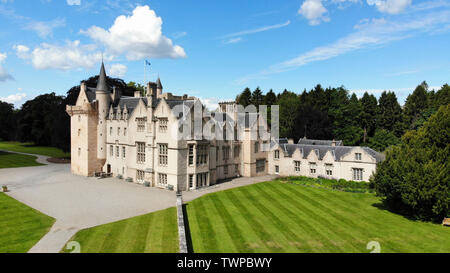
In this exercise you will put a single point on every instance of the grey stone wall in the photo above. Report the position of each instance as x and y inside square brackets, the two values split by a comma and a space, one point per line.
[181, 228]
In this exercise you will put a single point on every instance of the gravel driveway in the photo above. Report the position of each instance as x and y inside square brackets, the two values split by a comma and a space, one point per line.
[79, 202]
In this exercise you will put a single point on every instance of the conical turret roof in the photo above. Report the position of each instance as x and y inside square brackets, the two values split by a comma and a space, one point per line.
[158, 84]
[102, 84]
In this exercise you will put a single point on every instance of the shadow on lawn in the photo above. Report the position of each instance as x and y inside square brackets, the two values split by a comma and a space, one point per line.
[187, 230]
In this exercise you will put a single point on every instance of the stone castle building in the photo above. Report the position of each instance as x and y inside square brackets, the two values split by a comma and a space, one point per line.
[133, 138]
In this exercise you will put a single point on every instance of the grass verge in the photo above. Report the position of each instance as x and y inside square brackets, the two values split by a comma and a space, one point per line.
[155, 232]
[21, 227]
[32, 149]
[10, 160]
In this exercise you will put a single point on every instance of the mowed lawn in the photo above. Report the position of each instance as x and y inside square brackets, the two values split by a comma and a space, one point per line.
[156, 232]
[279, 217]
[30, 148]
[10, 160]
[21, 227]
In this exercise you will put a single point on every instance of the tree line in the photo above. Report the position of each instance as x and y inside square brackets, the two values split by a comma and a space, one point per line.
[334, 113]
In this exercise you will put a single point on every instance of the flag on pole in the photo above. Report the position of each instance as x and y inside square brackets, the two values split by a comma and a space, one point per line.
[147, 62]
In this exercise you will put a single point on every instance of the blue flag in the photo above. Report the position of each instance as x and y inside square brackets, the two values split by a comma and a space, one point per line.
[147, 62]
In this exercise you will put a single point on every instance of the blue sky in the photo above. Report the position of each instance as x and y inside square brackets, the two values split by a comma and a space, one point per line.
[214, 49]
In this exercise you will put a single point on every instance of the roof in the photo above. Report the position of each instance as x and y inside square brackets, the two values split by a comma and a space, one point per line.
[336, 151]
[102, 84]
[320, 142]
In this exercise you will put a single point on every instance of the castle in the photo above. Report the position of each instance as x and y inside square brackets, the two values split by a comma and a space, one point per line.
[133, 138]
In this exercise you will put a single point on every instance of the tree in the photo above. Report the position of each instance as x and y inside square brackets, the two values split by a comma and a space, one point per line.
[289, 104]
[390, 114]
[414, 180]
[368, 115]
[347, 124]
[270, 98]
[257, 98]
[382, 140]
[415, 105]
[7, 121]
[245, 97]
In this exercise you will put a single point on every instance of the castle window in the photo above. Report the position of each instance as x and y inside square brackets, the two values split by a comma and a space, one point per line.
[237, 150]
[202, 180]
[202, 154]
[163, 125]
[357, 174]
[225, 170]
[125, 131]
[191, 155]
[312, 167]
[297, 166]
[140, 124]
[260, 165]
[140, 152]
[277, 169]
[162, 179]
[163, 157]
[118, 131]
[329, 172]
[358, 156]
[111, 150]
[236, 169]
[256, 147]
[191, 181]
[110, 131]
[117, 151]
[140, 176]
[79, 151]
[79, 132]
[276, 154]
[123, 151]
[226, 153]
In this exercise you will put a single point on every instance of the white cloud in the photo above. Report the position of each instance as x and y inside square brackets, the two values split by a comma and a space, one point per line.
[45, 29]
[390, 6]
[212, 103]
[23, 52]
[14, 98]
[73, 2]
[257, 30]
[314, 11]
[368, 33]
[233, 40]
[137, 36]
[72, 55]
[4, 75]
[178, 35]
[117, 70]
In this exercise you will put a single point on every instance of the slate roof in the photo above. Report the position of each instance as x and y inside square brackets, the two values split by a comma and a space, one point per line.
[319, 142]
[337, 151]
[102, 84]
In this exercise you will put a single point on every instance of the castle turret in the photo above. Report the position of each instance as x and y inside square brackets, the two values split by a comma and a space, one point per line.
[103, 97]
[159, 88]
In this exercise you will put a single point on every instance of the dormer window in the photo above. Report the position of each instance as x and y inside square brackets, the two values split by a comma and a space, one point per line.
[358, 156]
[163, 125]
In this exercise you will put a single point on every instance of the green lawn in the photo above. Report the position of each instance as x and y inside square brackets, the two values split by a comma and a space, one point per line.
[9, 160]
[21, 227]
[32, 149]
[284, 217]
[156, 232]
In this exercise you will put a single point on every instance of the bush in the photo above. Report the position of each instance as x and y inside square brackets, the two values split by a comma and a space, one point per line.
[414, 179]
[341, 185]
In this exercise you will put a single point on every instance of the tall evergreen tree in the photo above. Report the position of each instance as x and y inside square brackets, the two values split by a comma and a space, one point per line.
[257, 97]
[368, 115]
[245, 97]
[390, 114]
[416, 105]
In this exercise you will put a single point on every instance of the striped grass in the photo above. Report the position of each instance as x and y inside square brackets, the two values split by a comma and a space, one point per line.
[282, 217]
[155, 232]
[9, 160]
[21, 227]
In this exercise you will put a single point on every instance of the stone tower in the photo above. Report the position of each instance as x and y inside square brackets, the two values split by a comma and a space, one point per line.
[159, 88]
[103, 97]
